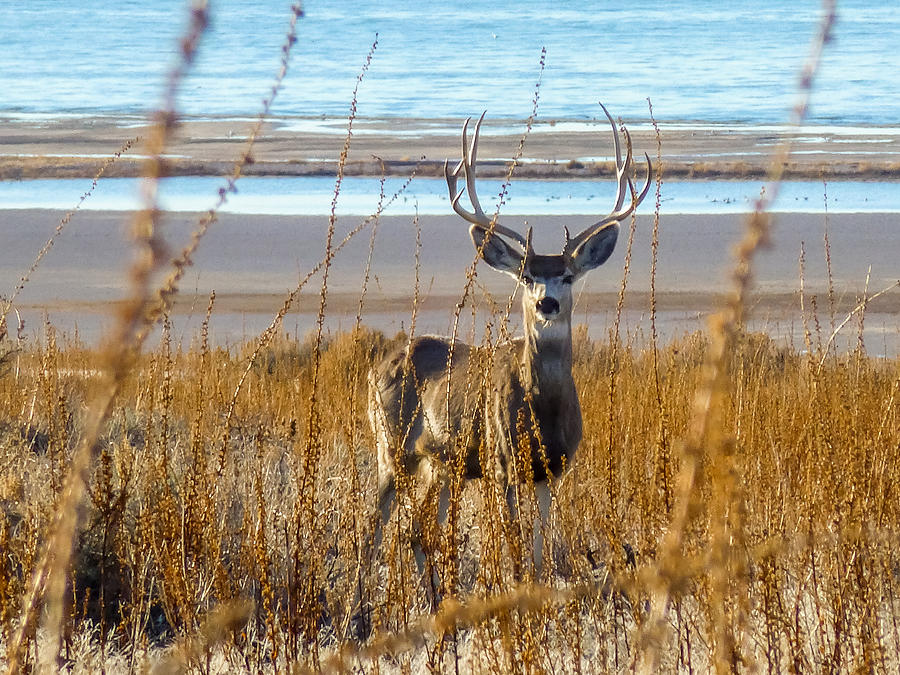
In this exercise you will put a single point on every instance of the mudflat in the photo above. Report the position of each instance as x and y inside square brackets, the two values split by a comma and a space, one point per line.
[566, 149]
[253, 261]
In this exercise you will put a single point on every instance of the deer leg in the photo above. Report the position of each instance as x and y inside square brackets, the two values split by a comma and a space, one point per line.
[359, 620]
[443, 507]
[387, 493]
[438, 487]
[515, 531]
[387, 496]
[435, 498]
[539, 525]
[443, 503]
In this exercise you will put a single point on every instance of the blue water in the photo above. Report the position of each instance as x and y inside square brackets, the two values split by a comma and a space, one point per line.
[702, 60]
[313, 196]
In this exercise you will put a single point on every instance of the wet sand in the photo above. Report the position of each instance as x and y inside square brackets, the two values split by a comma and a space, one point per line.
[76, 147]
[252, 262]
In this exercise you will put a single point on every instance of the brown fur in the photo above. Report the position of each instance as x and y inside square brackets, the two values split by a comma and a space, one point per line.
[411, 411]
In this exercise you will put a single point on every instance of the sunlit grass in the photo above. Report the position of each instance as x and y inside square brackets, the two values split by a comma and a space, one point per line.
[175, 528]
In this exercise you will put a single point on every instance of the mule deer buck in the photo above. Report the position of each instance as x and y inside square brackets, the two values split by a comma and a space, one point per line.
[424, 406]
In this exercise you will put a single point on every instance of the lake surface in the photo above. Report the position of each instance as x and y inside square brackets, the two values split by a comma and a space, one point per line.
[310, 196]
[695, 59]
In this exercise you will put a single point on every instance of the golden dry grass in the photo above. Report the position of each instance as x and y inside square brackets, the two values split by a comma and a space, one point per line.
[178, 525]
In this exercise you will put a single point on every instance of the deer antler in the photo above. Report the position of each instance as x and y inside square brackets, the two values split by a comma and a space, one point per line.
[623, 169]
[467, 165]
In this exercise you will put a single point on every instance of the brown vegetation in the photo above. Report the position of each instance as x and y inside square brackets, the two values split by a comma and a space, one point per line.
[190, 510]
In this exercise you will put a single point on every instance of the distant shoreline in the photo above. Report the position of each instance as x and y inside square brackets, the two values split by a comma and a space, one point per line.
[566, 150]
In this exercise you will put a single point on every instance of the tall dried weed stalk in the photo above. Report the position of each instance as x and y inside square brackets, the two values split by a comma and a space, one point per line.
[708, 451]
[49, 579]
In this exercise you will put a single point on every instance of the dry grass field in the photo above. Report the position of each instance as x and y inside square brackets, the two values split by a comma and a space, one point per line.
[733, 506]
[229, 509]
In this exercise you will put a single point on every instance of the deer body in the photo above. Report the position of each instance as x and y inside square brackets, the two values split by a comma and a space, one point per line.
[435, 398]
[412, 383]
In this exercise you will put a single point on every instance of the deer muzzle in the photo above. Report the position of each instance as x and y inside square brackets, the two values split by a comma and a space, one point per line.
[548, 306]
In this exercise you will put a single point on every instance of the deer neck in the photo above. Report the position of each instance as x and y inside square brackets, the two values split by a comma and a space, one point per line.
[546, 358]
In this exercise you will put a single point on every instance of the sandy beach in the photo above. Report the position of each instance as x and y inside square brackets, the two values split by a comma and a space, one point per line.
[76, 147]
[252, 262]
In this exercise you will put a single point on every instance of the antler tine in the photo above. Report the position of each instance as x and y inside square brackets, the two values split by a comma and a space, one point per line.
[623, 172]
[622, 168]
[621, 213]
[467, 165]
[615, 131]
[623, 187]
[529, 250]
[566, 243]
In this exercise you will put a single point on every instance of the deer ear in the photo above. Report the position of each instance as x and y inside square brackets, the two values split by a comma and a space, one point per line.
[496, 252]
[596, 249]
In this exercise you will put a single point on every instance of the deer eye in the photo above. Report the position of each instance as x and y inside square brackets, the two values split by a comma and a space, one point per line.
[568, 279]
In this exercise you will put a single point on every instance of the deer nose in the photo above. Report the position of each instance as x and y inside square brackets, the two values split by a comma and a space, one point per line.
[548, 306]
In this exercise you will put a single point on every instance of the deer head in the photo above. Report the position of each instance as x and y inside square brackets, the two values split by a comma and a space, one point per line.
[546, 279]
